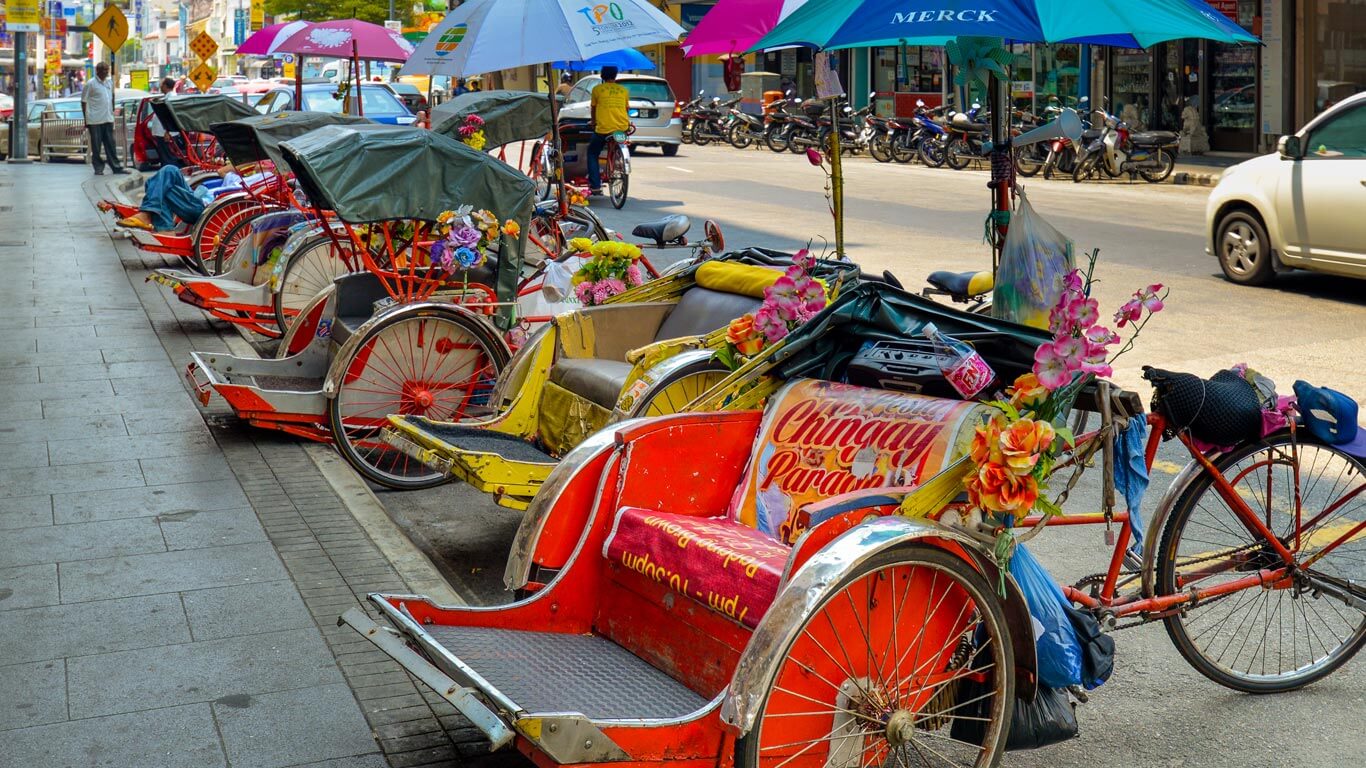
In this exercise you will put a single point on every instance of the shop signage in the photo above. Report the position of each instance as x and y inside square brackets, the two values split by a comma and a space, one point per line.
[1227, 7]
[23, 16]
[239, 26]
[138, 79]
[258, 14]
[690, 14]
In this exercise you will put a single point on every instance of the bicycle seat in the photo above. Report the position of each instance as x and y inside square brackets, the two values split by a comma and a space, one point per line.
[666, 230]
[1221, 410]
[962, 285]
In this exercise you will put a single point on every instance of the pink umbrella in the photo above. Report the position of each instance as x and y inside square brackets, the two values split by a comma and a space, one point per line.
[346, 39]
[265, 41]
[734, 26]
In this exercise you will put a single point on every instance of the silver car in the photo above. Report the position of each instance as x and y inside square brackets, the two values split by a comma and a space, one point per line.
[652, 109]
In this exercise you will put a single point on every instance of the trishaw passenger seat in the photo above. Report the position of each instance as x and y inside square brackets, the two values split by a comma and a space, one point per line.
[963, 285]
[702, 310]
[665, 230]
[594, 379]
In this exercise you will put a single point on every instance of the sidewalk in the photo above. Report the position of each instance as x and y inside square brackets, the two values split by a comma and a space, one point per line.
[1204, 170]
[168, 590]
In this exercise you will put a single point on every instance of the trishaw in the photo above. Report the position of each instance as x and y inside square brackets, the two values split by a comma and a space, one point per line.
[401, 336]
[648, 351]
[805, 586]
[192, 118]
[269, 265]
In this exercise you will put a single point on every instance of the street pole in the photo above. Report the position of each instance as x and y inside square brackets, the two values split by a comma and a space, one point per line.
[19, 136]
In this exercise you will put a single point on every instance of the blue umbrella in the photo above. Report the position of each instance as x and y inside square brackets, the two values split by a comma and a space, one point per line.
[832, 24]
[623, 60]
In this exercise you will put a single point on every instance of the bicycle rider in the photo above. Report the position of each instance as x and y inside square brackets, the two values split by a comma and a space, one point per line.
[610, 100]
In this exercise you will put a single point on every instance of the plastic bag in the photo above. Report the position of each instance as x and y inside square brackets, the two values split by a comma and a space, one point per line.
[1055, 641]
[1048, 719]
[1034, 260]
[1098, 648]
[558, 283]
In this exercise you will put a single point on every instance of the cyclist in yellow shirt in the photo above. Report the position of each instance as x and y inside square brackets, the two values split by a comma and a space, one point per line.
[610, 101]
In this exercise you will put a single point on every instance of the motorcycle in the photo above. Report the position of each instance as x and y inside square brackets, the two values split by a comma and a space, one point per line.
[712, 122]
[968, 138]
[778, 124]
[745, 129]
[922, 137]
[687, 113]
[1117, 150]
[853, 139]
[803, 131]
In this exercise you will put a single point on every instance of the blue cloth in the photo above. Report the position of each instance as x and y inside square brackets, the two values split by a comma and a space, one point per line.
[595, 147]
[624, 60]
[1131, 472]
[167, 197]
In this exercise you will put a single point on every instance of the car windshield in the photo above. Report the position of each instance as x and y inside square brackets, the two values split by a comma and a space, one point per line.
[324, 100]
[68, 110]
[653, 90]
[378, 101]
[408, 88]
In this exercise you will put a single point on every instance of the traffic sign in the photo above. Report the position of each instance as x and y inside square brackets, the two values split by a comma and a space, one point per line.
[203, 46]
[111, 27]
[202, 76]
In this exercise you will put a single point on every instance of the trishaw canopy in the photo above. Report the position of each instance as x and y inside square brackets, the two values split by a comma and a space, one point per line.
[373, 173]
[198, 113]
[508, 115]
[257, 138]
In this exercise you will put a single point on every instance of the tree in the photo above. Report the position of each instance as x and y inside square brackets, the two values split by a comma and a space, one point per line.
[375, 11]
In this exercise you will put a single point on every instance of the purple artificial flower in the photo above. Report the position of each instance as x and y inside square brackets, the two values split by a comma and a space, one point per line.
[466, 236]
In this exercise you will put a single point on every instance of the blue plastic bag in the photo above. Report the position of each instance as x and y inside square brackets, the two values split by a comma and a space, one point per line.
[1054, 639]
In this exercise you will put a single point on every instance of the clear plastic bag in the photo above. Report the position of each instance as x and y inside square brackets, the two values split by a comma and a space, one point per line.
[1055, 641]
[1034, 260]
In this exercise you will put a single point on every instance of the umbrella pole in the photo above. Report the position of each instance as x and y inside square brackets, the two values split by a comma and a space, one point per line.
[299, 81]
[836, 177]
[1002, 169]
[555, 143]
[355, 74]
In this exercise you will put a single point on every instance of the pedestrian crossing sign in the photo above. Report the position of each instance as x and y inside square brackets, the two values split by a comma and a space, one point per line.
[111, 27]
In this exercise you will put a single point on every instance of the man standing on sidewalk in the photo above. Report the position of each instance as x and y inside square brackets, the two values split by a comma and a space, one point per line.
[97, 103]
[610, 103]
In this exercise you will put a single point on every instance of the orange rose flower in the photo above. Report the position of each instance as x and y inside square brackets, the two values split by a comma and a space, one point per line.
[1026, 392]
[742, 334]
[996, 489]
[512, 228]
[986, 444]
[1022, 443]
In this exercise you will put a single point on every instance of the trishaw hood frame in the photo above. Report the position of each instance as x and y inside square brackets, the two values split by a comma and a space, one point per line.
[258, 138]
[375, 173]
[508, 116]
[197, 114]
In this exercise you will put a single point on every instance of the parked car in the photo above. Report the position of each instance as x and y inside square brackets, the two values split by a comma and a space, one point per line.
[653, 109]
[66, 133]
[1299, 208]
[413, 99]
[378, 103]
[6, 106]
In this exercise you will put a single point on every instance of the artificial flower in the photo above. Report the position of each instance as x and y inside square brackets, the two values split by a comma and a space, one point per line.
[512, 228]
[465, 235]
[1051, 367]
[445, 217]
[1129, 312]
[986, 443]
[468, 257]
[634, 276]
[995, 489]
[814, 157]
[581, 245]
[1026, 392]
[1023, 442]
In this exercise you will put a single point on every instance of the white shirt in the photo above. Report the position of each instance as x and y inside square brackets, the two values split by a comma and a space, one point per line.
[97, 99]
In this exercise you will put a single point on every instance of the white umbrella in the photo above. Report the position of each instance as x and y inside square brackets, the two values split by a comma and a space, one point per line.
[490, 35]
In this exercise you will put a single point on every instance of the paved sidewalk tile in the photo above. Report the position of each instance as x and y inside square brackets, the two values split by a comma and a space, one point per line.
[178, 737]
[32, 694]
[28, 587]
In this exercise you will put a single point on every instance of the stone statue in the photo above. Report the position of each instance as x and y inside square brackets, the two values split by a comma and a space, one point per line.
[1129, 114]
[1194, 138]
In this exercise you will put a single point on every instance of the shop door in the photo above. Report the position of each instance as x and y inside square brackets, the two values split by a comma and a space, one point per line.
[1178, 84]
[1233, 97]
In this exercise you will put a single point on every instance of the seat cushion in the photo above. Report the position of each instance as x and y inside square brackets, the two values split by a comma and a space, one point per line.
[702, 310]
[731, 568]
[594, 379]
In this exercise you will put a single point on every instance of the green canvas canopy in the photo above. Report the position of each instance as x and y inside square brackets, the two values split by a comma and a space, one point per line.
[372, 173]
[197, 113]
[257, 138]
[508, 115]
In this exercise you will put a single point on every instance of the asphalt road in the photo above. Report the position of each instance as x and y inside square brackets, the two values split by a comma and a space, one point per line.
[1156, 710]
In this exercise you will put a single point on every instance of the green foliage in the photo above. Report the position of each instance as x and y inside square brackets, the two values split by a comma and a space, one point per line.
[374, 11]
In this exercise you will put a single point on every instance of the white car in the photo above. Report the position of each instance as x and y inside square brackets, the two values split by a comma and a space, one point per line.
[1303, 207]
[652, 110]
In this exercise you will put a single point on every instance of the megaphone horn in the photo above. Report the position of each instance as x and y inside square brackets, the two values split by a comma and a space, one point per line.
[1067, 126]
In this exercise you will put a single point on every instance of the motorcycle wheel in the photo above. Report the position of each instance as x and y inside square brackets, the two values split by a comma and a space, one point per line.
[1027, 161]
[931, 153]
[1067, 160]
[739, 137]
[686, 137]
[881, 148]
[1166, 164]
[775, 138]
[798, 141]
[903, 149]
[699, 133]
[958, 154]
[1084, 168]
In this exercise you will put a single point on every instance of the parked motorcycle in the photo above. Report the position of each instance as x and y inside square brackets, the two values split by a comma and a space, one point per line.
[745, 129]
[968, 138]
[687, 114]
[1117, 151]
[712, 122]
[778, 125]
[924, 137]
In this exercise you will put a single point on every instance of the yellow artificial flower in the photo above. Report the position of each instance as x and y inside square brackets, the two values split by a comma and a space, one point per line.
[512, 228]
[581, 245]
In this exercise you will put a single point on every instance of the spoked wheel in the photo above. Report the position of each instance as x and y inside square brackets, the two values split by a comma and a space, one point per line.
[306, 273]
[932, 152]
[1165, 165]
[775, 138]
[1282, 635]
[1028, 161]
[1084, 168]
[903, 147]
[907, 663]
[672, 391]
[618, 175]
[739, 136]
[430, 363]
[958, 154]
[219, 219]
[880, 147]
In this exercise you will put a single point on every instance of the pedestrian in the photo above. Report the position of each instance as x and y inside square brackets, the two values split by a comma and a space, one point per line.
[610, 101]
[460, 87]
[97, 104]
[165, 152]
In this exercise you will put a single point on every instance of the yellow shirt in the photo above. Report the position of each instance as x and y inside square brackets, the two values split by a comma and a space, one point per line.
[610, 101]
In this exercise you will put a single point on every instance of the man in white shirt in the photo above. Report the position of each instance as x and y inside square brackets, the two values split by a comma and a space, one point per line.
[97, 103]
[165, 152]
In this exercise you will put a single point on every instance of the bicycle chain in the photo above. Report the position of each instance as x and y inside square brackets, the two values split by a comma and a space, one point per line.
[1099, 578]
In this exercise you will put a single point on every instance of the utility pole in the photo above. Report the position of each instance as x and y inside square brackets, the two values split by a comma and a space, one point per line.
[19, 136]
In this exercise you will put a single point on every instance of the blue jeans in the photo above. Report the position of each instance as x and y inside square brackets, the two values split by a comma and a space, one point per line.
[595, 147]
[167, 197]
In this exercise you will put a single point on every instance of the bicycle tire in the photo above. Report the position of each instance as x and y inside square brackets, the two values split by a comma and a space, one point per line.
[618, 175]
[1237, 465]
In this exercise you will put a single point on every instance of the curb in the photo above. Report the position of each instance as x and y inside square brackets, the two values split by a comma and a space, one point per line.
[1196, 179]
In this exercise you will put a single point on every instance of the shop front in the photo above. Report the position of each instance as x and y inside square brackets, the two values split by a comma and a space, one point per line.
[1330, 54]
[903, 75]
[1044, 75]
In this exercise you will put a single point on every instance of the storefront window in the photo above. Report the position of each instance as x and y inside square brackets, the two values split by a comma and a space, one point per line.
[1233, 89]
[1132, 85]
[1058, 75]
[1022, 77]
[905, 70]
[1337, 56]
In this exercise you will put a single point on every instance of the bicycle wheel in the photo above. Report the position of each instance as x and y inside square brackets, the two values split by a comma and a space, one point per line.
[618, 175]
[429, 362]
[1273, 638]
[219, 216]
[908, 662]
[222, 256]
[672, 392]
[307, 272]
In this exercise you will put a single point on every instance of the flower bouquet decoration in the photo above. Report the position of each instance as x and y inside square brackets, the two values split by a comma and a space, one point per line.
[793, 299]
[1015, 451]
[463, 237]
[471, 132]
[611, 267]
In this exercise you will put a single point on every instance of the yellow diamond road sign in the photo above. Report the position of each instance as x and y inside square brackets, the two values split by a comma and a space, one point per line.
[202, 77]
[203, 46]
[111, 27]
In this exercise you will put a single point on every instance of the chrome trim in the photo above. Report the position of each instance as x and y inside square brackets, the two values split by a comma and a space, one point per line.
[517, 572]
[798, 599]
[570, 738]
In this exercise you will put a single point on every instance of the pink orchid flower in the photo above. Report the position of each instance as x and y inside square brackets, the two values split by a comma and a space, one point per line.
[1130, 312]
[1071, 350]
[1051, 368]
